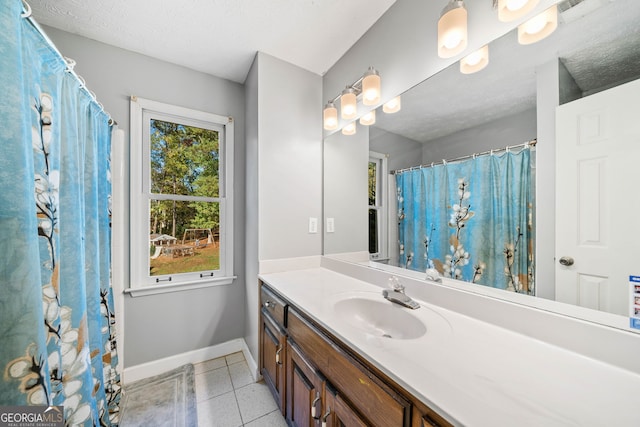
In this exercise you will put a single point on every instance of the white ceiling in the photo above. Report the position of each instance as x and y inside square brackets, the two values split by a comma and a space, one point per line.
[220, 37]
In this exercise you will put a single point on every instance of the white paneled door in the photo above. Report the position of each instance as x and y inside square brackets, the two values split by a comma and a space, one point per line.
[598, 198]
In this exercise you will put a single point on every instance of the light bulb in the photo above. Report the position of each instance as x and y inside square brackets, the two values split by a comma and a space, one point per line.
[473, 58]
[348, 104]
[371, 87]
[369, 118]
[539, 27]
[392, 106]
[510, 10]
[535, 25]
[330, 116]
[452, 29]
[349, 129]
[475, 61]
[452, 39]
[513, 5]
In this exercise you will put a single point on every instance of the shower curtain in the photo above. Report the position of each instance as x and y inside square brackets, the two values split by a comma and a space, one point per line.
[57, 329]
[470, 220]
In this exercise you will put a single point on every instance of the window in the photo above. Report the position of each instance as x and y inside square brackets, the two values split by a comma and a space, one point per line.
[378, 206]
[181, 198]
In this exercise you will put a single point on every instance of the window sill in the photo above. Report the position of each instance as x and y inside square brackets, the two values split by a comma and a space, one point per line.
[178, 287]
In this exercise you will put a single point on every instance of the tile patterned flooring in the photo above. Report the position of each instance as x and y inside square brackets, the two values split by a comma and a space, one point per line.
[228, 397]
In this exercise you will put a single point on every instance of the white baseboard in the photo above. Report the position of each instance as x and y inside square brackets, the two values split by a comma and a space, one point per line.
[156, 367]
[253, 365]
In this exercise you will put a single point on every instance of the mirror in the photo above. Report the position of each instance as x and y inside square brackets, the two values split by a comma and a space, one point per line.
[450, 115]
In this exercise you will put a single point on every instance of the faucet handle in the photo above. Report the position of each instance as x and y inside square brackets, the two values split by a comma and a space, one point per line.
[394, 283]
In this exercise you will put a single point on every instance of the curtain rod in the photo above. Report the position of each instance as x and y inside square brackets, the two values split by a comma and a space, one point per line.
[70, 63]
[527, 144]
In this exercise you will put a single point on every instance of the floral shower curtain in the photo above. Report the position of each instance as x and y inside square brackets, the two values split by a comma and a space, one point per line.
[471, 220]
[57, 329]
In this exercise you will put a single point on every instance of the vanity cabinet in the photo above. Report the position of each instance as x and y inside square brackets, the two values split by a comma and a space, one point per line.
[322, 382]
[273, 344]
[339, 413]
[311, 399]
[304, 389]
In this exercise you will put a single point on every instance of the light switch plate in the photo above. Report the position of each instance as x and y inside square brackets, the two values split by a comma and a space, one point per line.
[313, 225]
[331, 225]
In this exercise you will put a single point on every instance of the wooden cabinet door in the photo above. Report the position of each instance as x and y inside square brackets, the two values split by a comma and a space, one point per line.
[304, 390]
[338, 413]
[272, 356]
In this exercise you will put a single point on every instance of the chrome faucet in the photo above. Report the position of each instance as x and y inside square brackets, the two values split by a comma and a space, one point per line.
[396, 294]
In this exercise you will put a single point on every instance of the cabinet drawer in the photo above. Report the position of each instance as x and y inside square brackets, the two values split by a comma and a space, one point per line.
[381, 405]
[273, 306]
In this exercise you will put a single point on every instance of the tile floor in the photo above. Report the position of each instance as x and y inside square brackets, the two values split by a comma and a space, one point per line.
[228, 397]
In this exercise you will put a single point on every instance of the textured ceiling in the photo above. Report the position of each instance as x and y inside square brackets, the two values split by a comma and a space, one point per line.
[597, 40]
[220, 37]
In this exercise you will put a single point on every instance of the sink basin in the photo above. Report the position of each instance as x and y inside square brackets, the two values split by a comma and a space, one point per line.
[380, 318]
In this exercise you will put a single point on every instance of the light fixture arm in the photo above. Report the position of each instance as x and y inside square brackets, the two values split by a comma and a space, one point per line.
[356, 86]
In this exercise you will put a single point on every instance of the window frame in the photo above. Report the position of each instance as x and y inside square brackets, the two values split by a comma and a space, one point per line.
[381, 204]
[141, 282]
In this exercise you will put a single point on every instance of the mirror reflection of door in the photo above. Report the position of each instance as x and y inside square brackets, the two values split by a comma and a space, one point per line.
[598, 199]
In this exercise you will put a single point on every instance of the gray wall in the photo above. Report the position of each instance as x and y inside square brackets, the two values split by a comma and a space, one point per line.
[284, 170]
[510, 130]
[163, 325]
[253, 213]
[403, 152]
[289, 159]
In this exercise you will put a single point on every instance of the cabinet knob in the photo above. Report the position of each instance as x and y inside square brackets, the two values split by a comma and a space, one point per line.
[269, 304]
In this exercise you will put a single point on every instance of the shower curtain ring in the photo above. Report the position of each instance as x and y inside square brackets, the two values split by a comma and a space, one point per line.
[83, 84]
[70, 63]
[27, 12]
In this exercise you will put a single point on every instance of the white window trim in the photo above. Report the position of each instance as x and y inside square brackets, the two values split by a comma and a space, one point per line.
[382, 204]
[139, 230]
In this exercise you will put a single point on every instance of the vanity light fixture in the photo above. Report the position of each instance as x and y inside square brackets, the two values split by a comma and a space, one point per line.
[369, 118]
[392, 106]
[452, 29]
[367, 87]
[475, 61]
[330, 116]
[349, 129]
[510, 10]
[538, 27]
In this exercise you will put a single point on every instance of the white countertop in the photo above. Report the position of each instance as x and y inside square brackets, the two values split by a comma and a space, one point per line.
[471, 372]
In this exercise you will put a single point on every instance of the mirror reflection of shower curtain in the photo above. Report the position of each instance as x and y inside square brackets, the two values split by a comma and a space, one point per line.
[471, 220]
